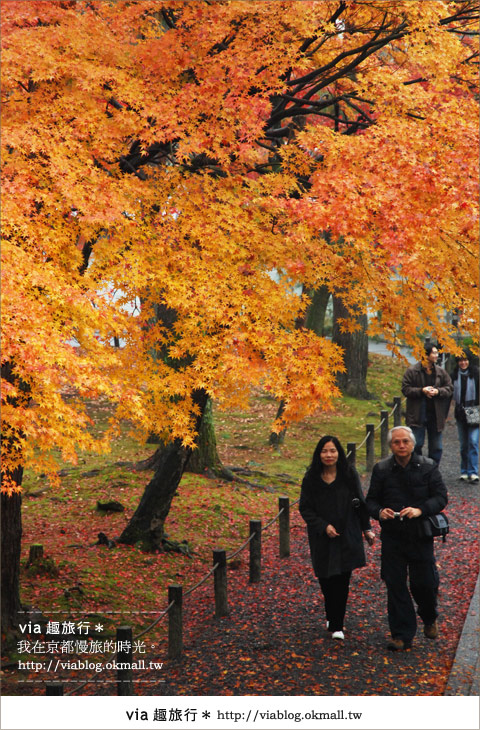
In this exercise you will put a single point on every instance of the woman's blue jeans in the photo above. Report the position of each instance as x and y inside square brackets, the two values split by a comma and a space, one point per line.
[468, 437]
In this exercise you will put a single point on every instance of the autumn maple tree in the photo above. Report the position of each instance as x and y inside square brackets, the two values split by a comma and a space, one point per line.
[161, 159]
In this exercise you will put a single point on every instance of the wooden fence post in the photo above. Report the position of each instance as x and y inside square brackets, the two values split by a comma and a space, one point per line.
[220, 583]
[383, 433]
[175, 639]
[370, 446]
[255, 550]
[397, 413]
[124, 656]
[36, 553]
[284, 526]
[54, 689]
[352, 454]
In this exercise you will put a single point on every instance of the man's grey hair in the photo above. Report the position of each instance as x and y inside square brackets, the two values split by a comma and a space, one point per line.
[404, 428]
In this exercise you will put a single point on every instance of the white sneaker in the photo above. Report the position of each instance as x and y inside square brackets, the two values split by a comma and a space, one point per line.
[473, 478]
[463, 477]
[338, 635]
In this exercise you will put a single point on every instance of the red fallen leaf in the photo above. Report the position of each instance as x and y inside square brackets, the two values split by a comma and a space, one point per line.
[285, 612]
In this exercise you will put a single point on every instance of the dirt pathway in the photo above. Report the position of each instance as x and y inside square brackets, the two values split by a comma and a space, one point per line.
[274, 640]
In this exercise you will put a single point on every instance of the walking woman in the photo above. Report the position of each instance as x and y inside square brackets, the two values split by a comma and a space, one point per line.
[333, 506]
[465, 393]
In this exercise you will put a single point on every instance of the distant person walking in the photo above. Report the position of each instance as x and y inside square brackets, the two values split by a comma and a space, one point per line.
[333, 506]
[403, 488]
[465, 393]
[428, 390]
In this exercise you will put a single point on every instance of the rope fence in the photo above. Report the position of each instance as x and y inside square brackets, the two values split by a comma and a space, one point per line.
[174, 610]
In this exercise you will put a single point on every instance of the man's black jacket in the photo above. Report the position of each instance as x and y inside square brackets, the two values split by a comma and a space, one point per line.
[419, 484]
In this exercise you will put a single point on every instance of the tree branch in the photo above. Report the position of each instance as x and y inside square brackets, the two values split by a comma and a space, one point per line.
[334, 17]
[371, 45]
[358, 109]
[168, 17]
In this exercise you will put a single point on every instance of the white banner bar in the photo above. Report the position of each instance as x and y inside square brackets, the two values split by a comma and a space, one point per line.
[239, 713]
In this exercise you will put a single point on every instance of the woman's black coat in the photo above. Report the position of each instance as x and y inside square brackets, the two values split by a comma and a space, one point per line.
[342, 505]
[472, 373]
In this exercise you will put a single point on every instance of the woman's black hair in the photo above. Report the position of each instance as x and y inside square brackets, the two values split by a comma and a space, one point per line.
[472, 370]
[343, 467]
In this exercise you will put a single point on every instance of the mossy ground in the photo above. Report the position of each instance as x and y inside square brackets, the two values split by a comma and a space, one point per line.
[209, 514]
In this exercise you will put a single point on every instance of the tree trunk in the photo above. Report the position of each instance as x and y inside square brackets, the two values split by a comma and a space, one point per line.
[205, 458]
[314, 320]
[277, 439]
[147, 524]
[11, 517]
[11, 525]
[315, 317]
[167, 317]
[355, 345]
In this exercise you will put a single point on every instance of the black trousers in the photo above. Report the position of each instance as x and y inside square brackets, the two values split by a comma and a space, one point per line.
[335, 593]
[411, 560]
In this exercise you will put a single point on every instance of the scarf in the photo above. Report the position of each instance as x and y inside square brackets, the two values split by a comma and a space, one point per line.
[470, 391]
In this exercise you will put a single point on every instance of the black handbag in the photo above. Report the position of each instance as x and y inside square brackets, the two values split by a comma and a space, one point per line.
[436, 526]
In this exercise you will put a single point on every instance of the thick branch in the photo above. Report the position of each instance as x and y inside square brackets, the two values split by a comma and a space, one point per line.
[370, 46]
[335, 16]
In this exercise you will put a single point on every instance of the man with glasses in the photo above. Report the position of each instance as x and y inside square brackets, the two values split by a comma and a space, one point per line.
[404, 488]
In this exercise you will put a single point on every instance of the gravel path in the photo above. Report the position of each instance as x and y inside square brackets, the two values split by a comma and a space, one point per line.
[274, 640]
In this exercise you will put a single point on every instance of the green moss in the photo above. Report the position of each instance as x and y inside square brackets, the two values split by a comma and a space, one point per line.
[208, 513]
[42, 566]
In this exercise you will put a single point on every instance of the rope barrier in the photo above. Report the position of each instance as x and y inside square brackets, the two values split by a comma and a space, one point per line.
[202, 580]
[154, 623]
[361, 444]
[242, 547]
[393, 410]
[390, 414]
[187, 593]
[273, 520]
[349, 453]
[95, 678]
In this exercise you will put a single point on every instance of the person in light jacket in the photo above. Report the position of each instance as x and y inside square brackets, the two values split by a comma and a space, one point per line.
[428, 390]
[333, 507]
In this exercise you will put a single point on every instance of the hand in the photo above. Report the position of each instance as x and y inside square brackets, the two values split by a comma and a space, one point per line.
[331, 531]
[369, 536]
[410, 512]
[386, 514]
[429, 391]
